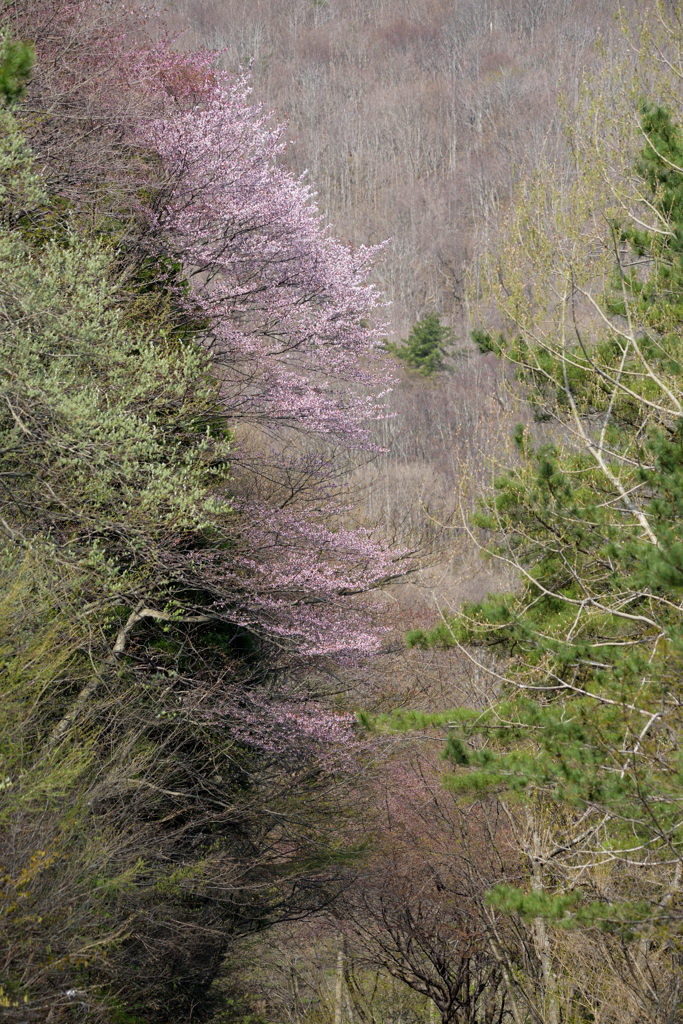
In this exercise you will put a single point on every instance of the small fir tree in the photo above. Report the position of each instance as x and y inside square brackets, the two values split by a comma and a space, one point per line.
[16, 62]
[425, 347]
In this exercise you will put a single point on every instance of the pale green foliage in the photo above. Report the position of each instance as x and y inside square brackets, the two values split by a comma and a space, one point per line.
[59, 864]
[100, 394]
[36, 654]
[109, 429]
[19, 183]
[112, 443]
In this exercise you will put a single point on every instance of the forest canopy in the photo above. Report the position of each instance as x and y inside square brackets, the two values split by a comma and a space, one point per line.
[172, 551]
[584, 732]
[217, 464]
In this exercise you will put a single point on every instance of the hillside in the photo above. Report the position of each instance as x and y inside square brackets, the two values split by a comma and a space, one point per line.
[340, 512]
[414, 119]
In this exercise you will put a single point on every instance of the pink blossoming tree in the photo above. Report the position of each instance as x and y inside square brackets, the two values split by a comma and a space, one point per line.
[178, 452]
[286, 311]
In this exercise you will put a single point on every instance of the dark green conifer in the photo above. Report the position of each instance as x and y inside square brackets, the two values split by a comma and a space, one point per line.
[16, 62]
[426, 345]
[587, 722]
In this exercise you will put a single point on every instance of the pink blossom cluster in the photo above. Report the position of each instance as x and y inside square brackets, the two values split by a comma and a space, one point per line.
[289, 307]
[290, 321]
[287, 728]
[289, 317]
[291, 579]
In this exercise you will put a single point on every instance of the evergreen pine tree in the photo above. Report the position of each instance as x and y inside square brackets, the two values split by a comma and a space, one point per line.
[426, 345]
[586, 727]
[16, 62]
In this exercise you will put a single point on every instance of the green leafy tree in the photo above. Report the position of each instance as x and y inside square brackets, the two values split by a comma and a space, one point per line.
[141, 734]
[16, 61]
[585, 729]
[425, 347]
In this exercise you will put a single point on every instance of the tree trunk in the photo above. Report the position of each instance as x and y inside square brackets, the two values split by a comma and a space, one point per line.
[339, 988]
[541, 937]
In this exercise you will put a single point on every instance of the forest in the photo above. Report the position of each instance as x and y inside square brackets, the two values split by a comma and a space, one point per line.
[341, 502]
